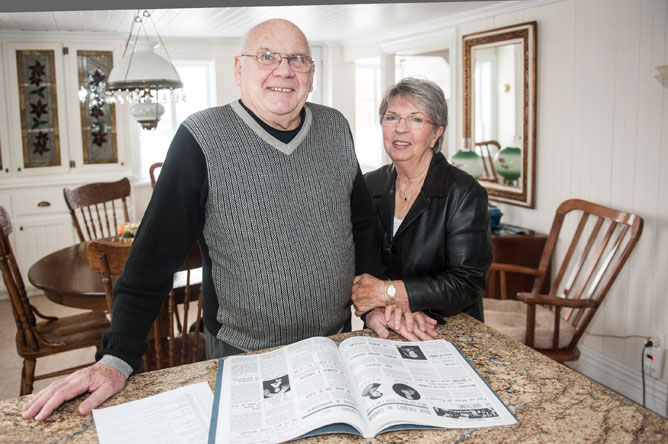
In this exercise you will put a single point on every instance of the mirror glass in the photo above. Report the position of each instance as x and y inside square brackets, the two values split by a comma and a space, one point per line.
[499, 109]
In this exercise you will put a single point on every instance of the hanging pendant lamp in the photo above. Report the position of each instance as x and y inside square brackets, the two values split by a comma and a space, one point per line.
[144, 78]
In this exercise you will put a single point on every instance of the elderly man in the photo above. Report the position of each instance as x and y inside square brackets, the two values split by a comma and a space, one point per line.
[271, 189]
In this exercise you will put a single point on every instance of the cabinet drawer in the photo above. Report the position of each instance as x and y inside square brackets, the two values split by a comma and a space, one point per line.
[38, 202]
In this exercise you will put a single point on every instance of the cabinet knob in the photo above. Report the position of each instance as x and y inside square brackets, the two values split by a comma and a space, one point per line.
[20, 228]
[44, 203]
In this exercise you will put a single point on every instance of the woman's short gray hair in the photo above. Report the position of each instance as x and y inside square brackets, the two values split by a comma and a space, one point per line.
[426, 93]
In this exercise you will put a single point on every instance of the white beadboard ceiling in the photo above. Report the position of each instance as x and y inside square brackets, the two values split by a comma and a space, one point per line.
[340, 22]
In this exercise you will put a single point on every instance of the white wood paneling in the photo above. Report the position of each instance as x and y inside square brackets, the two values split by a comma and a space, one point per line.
[319, 22]
[625, 120]
[602, 135]
[644, 270]
[590, 77]
[38, 236]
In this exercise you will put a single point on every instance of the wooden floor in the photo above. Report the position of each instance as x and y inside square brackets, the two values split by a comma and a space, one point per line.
[11, 363]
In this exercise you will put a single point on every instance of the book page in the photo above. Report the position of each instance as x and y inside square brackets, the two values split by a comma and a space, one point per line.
[282, 394]
[426, 383]
[175, 416]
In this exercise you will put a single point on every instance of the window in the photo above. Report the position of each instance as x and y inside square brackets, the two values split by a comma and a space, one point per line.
[316, 95]
[368, 134]
[484, 106]
[198, 87]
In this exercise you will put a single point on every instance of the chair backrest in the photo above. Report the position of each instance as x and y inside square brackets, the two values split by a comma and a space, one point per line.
[602, 241]
[21, 308]
[153, 173]
[97, 204]
[170, 343]
[487, 149]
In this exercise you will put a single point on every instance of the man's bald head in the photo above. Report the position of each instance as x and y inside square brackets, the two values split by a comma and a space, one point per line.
[268, 27]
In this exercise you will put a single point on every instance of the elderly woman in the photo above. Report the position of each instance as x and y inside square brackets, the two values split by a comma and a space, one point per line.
[432, 219]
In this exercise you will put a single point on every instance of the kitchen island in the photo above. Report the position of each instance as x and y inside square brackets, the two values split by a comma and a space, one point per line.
[553, 403]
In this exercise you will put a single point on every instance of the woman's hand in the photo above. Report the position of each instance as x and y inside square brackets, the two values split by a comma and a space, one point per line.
[398, 318]
[411, 326]
[368, 293]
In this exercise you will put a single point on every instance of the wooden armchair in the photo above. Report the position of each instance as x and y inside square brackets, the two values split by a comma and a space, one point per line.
[97, 204]
[152, 172]
[553, 323]
[169, 343]
[488, 149]
[52, 335]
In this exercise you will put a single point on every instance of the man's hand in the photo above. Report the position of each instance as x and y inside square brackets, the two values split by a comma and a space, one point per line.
[422, 327]
[100, 380]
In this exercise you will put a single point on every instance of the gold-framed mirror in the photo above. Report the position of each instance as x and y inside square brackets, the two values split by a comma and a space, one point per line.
[500, 106]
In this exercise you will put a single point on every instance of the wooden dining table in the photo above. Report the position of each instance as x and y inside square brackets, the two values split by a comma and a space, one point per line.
[67, 279]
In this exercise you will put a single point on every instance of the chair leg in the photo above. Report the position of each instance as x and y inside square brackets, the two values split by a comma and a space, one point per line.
[27, 376]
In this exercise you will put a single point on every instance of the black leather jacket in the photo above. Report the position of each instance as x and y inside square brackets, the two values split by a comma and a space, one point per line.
[443, 249]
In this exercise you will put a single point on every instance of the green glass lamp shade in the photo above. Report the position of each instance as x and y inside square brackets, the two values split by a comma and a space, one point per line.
[468, 161]
[508, 163]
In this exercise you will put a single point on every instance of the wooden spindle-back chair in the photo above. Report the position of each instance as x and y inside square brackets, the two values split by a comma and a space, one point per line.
[154, 172]
[36, 339]
[602, 241]
[487, 149]
[97, 204]
[169, 344]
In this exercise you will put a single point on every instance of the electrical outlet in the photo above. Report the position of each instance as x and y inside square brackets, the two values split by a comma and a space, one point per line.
[657, 340]
[654, 364]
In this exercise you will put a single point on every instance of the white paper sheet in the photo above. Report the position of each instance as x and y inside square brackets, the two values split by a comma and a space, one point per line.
[177, 416]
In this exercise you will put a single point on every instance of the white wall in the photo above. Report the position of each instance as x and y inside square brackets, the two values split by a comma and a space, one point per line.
[602, 135]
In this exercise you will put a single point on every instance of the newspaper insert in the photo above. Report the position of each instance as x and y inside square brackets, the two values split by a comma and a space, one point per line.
[365, 386]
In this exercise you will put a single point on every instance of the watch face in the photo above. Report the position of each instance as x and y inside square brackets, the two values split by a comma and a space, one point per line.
[391, 290]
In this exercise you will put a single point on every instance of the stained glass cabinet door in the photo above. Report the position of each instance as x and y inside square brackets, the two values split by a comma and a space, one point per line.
[98, 117]
[95, 123]
[35, 88]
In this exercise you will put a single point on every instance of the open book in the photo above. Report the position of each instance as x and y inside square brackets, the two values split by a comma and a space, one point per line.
[364, 386]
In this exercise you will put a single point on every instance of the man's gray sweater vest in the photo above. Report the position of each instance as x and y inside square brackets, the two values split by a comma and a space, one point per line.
[278, 225]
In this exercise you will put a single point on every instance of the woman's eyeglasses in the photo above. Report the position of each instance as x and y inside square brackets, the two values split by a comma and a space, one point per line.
[413, 122]
[272, 60]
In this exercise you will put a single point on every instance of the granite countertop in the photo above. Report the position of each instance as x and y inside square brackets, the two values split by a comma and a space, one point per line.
[552, 402]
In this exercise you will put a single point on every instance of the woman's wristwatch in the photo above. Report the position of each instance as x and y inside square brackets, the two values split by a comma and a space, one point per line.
[390, 291]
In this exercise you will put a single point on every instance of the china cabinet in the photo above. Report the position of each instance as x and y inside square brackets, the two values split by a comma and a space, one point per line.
[50, 139]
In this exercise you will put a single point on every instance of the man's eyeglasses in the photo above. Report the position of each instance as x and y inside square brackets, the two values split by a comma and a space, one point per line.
[413, 122]
[271, 60]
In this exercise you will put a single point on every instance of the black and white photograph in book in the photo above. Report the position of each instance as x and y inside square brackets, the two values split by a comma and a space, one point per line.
[276, 386]
[372, 391]
[411, 352]
[406, 391]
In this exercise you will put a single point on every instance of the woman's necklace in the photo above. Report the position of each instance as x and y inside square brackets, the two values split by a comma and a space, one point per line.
[403, 193]
[413, 185]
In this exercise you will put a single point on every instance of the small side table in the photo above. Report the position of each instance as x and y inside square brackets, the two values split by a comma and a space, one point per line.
[518, 249]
